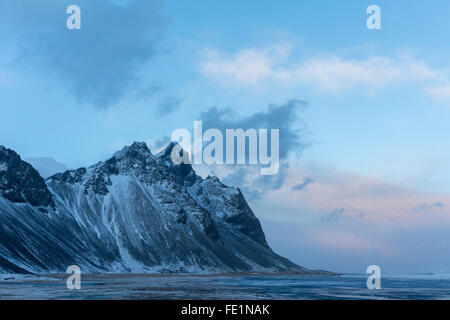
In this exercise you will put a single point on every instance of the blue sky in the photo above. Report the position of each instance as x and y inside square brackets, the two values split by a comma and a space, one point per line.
[378, 106]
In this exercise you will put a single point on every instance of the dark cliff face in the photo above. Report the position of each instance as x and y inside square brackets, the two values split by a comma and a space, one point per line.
[135, 212]
[20, 182]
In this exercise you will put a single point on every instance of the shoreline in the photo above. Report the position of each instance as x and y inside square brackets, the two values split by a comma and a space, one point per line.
[200, 275]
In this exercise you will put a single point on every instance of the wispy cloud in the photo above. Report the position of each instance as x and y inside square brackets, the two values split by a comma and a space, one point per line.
[362, 220]
[274, 65]
[347, 241]
[169, 105]
[334, 215]
[440, 92]
[248, 66]
[426, 206]
[303, 185]
[351, 197]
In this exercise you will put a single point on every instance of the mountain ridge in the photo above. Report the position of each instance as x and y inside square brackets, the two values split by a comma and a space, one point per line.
[135, 212]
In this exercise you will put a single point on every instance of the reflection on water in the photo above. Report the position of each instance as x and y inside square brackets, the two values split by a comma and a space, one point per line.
[225, 287]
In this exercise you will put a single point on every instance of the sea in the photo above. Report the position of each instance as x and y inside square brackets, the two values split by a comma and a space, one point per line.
[257, 287]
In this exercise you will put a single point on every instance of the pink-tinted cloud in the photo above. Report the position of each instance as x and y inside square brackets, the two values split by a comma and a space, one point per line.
[345, 222]
[353, 197]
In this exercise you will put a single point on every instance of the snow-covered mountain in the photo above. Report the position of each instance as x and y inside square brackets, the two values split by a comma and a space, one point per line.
[135, 212]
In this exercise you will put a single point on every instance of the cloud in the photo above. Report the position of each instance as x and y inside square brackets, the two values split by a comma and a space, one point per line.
[169, 105]
[251, 182]
[273, 65]
[285, 117]
[426, 206]
[248, 66]
[333, 216]
[348, 241]
[439, 92]
[303, 185]
[98, 64]
[148, 91]
[363, 199]
[293, 139]
[345, 221]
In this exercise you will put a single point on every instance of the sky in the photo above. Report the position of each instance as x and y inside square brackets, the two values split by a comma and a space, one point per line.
[365, 171]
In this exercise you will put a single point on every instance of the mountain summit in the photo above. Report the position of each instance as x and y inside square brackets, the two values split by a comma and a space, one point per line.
[135, 212]
[21, 183]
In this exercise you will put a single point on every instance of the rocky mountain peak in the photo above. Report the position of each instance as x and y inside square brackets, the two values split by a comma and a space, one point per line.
[184, 172]
[136, 160]
[166, 152]
[136, 151]
[135, 212]
[21, 183]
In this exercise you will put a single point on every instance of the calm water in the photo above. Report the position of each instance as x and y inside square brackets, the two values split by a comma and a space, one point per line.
[225, 287]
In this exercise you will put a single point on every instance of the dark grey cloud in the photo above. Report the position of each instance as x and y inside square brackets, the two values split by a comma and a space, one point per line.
[99, 64]
[304, 184]
[294, 135]
[285, 117]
